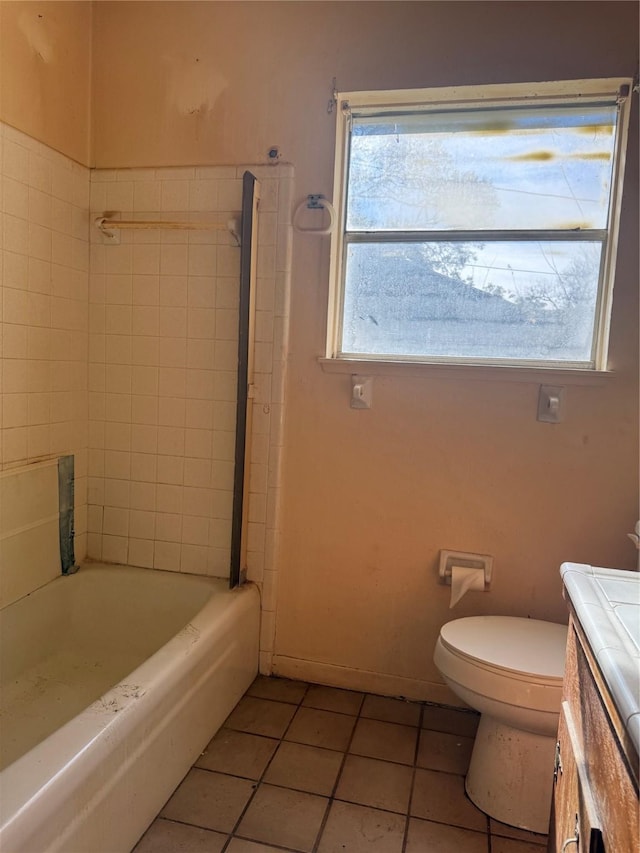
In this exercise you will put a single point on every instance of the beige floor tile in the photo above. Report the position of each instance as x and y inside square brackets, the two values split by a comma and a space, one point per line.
[321, 728]
[280, 689]
[374, 783]
[391, 710]
[333, 699]
[283, 817]
[260, 717]
[442, 751]
[357, 829]
[437, 838]
[305, 768]
[441, 797]
[238, 753]
[165, 836]
[387, 741]
[501, 829]
[240, 845]
[209, 800]
[510, 845]
[450, 720]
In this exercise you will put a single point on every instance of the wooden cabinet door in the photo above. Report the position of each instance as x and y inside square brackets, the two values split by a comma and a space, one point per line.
[574, 812]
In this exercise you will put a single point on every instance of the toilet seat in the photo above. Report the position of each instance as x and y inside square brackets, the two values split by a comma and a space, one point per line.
[524, 649]
[504, 660]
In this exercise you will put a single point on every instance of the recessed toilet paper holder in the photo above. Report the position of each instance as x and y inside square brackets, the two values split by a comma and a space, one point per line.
[449, 559]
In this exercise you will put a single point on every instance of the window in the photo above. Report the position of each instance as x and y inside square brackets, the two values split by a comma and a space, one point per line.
[478, 224]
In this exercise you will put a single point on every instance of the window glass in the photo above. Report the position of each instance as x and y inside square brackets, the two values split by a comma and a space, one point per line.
[488, 169]
[513, 300]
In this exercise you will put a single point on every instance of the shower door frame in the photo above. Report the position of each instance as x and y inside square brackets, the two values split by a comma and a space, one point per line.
[245, 386]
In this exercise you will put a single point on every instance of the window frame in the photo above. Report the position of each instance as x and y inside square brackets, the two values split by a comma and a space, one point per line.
[614, 90]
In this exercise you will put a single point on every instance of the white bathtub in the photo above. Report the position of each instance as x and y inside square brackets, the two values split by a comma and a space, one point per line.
[114, 679]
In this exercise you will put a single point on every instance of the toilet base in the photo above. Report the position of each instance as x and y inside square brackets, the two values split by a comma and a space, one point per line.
[511, 775]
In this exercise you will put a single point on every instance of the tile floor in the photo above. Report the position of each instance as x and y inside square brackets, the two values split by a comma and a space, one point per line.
[311, 769]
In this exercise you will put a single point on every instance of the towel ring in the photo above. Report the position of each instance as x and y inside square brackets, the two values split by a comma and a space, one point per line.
[315, 202]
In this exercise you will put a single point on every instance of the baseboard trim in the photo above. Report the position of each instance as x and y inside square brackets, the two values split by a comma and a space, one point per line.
[383, 684]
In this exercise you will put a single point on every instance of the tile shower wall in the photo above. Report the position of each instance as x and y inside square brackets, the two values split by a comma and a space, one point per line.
[44, 310]
[163, 371]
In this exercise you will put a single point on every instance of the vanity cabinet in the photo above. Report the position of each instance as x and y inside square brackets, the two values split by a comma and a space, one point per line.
[595, 797]
[576, 816]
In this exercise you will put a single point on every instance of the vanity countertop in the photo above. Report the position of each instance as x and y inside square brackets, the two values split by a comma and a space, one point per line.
[607, 605]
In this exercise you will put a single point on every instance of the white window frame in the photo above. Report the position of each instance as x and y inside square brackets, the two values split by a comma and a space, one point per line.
[616, 90]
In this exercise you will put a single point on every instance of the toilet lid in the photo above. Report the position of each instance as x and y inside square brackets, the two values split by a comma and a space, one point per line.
[527, 646]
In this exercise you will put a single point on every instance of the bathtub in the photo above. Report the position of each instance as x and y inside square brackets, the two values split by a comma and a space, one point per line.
[114, 680]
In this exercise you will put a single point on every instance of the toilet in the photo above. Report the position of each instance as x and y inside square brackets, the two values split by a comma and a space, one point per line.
[509, 669]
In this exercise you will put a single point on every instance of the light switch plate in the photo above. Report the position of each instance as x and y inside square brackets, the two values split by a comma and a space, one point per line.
[551, 404]
[361, 392]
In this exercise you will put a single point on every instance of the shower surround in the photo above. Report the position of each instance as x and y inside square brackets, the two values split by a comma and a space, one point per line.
[125, 356]
[163, 321]
[44, 310]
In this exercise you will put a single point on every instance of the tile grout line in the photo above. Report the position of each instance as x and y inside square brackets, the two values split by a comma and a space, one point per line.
[349, 802]
[345, 754]
[358, 716]
[416, 752]
[418, 727]
[258, 782]
[423, 705]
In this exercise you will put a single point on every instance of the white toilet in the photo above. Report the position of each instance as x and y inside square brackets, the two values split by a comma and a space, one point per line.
[510, 669]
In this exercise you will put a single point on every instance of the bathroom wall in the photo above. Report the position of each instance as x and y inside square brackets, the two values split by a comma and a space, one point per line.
[45, 54]
[29, 529]
[45, 72]
[163, 371]
[152, 392]
[444, 459]
[44, 297]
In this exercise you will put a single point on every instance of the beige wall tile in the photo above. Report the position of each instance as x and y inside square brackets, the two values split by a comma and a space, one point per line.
[170, 372]
[166, 556]
[44, 405]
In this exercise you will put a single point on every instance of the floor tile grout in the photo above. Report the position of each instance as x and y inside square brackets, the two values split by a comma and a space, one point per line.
[325, 819]
[407, 821]
[357, 715]
[259, 781]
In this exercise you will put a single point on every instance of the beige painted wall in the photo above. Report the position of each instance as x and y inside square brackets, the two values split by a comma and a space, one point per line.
[45, 62]
[441, 461]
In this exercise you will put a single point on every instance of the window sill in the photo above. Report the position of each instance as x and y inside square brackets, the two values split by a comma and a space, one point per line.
[480, 372]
